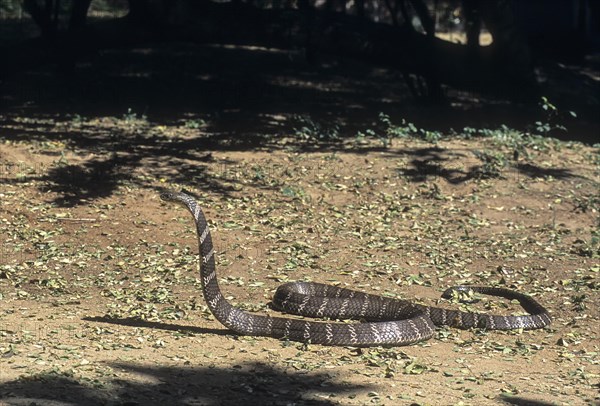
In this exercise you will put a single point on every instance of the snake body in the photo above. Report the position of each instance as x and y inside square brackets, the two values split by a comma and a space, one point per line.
[386, 321]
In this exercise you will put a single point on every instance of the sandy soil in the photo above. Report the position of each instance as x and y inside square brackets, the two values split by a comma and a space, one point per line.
[101, 302]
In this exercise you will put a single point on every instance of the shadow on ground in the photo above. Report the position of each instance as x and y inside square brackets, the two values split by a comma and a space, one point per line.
[523, 401]
[122, 107]
[133, 322]
[256, 384]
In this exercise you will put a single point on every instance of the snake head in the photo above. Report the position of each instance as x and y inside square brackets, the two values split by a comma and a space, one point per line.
[174, 196]
[169, 195]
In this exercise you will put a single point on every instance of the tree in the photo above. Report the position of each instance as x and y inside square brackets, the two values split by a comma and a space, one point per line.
[319, 30]
[46, 15]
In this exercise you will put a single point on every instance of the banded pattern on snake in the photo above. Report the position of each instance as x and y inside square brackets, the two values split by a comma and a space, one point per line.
[386, 321]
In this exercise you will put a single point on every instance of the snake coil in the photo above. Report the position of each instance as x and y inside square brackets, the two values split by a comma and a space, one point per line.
[386, 321]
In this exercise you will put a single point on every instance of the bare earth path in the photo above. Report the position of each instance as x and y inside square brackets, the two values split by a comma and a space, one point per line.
[100, 301]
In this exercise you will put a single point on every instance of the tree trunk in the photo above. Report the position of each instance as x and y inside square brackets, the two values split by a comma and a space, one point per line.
[473, 24]
[79, 10]
[42, 16]
[510, 48]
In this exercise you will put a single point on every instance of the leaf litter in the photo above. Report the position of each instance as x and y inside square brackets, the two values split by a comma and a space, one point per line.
[89, 289]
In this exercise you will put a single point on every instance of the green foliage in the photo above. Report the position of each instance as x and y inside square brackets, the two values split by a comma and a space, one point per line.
[132, 117]
[309, 130]
[295, 192]
[521, 144]
[194, 124]
[10, 8]
[403, 130]
[77, 120]
[578, 301]
[369, 133]
[589, 203]
[553, 116]
[589, 248]
[510, 144]
[493, 163]
[407, 129]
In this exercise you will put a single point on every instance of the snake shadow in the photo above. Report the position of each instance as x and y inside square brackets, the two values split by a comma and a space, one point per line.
[134, 322]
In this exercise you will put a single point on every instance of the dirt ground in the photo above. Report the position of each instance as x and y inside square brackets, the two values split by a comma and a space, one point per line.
[101, 301]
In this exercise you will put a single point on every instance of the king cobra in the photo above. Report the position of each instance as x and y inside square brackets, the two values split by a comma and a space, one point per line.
[384, 321]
